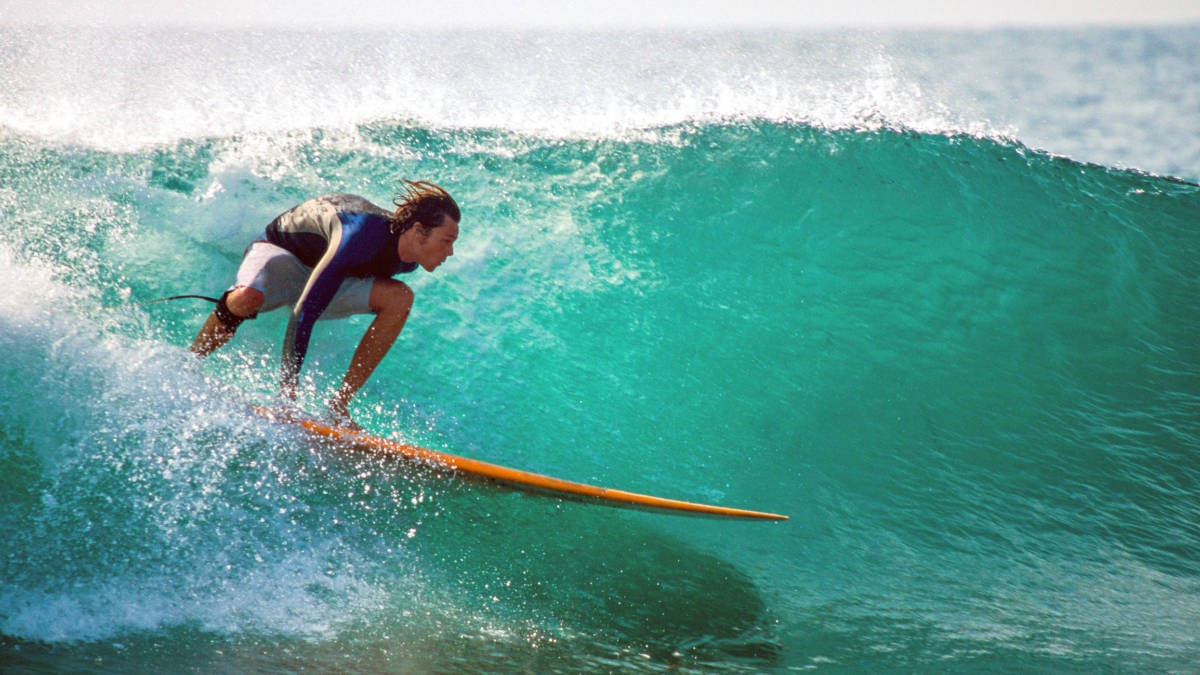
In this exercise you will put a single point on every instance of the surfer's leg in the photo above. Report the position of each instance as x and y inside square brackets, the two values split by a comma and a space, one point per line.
[237, 305]
[268, 277]
[390, 300]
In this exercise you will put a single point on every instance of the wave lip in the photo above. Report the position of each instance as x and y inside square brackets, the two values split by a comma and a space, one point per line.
[126, 89]
[1117, 97]
[1114, 97]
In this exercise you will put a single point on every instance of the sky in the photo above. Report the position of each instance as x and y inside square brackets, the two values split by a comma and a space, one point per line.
[602, 13]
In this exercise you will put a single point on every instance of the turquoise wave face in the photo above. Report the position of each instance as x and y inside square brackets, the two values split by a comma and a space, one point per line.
[967, 371]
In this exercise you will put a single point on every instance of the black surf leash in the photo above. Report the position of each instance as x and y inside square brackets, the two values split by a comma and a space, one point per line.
[105, 308]
[174, 297]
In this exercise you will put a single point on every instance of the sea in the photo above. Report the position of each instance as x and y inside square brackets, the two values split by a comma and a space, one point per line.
[933, 294]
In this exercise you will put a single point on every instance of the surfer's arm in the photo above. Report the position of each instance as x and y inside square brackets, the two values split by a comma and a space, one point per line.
[322, 286]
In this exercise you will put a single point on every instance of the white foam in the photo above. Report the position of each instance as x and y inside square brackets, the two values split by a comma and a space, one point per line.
[124, 90]
[151, 509]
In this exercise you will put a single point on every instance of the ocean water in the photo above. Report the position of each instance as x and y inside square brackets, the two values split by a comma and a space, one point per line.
[936, 296]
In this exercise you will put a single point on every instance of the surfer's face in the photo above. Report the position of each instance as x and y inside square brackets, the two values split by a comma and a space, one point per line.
[433, 246]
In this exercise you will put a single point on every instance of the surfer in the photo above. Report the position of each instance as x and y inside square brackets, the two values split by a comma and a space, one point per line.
[332, 257]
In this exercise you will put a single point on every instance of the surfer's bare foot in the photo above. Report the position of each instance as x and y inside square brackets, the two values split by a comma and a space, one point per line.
[340, 417]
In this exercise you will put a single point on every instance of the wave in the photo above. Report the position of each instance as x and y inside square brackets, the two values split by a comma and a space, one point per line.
[966, 369]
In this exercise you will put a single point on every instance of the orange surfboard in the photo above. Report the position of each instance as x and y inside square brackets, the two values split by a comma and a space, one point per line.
[523, 480]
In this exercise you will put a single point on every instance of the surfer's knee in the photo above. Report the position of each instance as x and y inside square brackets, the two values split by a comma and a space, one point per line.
[238, 305]
[391, 298]
[234, 307]
[243, 301]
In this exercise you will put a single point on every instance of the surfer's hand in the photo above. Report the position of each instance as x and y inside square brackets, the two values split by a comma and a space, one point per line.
[288, 411]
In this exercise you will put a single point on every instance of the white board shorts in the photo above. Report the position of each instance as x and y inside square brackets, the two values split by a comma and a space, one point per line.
[281, 277]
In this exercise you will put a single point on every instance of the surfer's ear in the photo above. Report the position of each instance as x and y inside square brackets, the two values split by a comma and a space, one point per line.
[417, 225]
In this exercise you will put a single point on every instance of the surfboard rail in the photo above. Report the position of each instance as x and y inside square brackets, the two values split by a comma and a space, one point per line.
[517, 478]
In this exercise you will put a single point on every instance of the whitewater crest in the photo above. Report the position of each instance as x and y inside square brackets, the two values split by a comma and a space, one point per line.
[122, 90]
